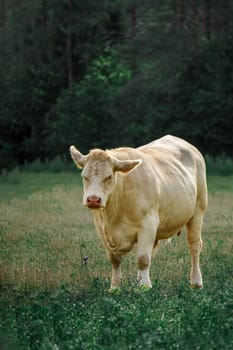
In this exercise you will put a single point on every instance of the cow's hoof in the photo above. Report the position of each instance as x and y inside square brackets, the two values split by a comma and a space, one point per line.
[115, 290]
[144, 288]
[196, 286]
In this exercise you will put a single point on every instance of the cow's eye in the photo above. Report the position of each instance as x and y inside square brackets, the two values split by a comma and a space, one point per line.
[85, 178]
[108, 178]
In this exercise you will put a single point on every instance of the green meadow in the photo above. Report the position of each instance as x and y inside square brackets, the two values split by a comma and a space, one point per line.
[50, 298]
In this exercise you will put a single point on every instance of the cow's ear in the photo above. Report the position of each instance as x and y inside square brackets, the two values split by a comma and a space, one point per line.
[126, 165]
[77, 157]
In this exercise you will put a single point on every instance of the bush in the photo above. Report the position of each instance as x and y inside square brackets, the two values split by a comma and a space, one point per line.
[58, 164]
[10, 177]
[220, 165]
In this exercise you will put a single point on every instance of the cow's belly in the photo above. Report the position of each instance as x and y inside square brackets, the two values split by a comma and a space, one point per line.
[177, 205]
[175, 218]
[168, 233]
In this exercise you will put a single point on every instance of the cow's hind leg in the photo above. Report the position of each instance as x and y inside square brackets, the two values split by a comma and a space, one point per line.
[145, 249]
[194, 227]
[116, 271]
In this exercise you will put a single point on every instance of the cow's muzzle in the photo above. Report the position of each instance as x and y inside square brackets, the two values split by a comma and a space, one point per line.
[94, 202]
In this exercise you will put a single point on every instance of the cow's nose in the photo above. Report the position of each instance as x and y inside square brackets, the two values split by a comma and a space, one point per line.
[94, 202]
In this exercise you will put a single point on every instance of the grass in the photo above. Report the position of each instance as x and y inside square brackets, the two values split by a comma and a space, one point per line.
[51, 299]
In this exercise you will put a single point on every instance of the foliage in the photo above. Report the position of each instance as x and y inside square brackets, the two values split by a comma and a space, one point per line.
[84, 111]
[203, 97]
[170, 319]
[107, 73]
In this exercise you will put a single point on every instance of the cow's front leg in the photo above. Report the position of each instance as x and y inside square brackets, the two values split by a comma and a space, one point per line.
[116, 271]
[146, 239]
[143, 276]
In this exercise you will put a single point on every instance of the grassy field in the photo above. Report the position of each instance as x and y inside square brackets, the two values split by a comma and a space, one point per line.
[51, 299]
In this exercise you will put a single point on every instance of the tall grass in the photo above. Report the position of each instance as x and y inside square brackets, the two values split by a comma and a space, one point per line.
[45, 232]
[44, 237]
[219, 165]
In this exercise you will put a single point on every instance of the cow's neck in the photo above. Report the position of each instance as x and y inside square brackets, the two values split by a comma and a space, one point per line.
[111, 211]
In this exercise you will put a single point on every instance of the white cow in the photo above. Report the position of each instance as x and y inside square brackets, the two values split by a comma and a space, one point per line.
[143, 195]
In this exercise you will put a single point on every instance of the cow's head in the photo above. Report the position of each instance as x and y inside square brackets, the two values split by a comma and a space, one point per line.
[98, 173]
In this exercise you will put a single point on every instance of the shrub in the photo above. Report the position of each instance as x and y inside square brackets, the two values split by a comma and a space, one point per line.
[57, 164]
[220, 165]
[10, 177]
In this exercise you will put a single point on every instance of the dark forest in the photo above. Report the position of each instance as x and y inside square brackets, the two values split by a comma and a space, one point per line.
[113, 73]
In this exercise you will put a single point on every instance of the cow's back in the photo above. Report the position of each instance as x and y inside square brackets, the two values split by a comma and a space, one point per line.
[176, 149]
[170, 151]
[172, 146]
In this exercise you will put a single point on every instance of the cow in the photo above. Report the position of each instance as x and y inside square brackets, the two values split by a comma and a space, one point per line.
[140, 196]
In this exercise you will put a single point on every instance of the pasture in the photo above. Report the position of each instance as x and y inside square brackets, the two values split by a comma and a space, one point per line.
[50, 298]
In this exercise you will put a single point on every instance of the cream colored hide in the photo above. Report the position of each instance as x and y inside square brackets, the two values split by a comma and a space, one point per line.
[139, 196]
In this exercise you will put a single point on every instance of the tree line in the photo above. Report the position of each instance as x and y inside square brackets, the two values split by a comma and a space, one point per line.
[113, 72]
